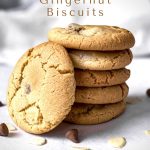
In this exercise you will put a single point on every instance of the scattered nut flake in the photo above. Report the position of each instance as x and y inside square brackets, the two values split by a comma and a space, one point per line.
[38, 141]
[147, 132]
[89, 32]
[11, 127]
[117, 142]
[80, 148]
[133, 100]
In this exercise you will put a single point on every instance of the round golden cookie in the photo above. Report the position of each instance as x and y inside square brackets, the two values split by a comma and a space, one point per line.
[94, 114]
[41, 88]
[92, 37]
[101, 95]
[92, 78]
[94, 60]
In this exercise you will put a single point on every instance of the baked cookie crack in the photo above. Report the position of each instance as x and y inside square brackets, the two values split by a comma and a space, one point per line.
[114, 62]
[81, 42]
[86, 110]
[93, 77]
[27, 107]
[122, 89]
[21, 75]
[130, 55]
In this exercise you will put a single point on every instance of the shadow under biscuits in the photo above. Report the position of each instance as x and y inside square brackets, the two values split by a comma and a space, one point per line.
[59, 131]
[132, 113]
[14, 134]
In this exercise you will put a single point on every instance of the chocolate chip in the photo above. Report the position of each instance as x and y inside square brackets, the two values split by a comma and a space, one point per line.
[74, 27]
[27, 89]
[72, 135]
[148, 92]
[4, 130]
[1, 104]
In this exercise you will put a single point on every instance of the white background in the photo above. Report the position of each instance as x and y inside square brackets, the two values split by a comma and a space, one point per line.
[28, 25]
[21, 29]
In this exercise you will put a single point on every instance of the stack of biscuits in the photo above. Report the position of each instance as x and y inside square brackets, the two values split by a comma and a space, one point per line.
[44, 88]
[100, 55]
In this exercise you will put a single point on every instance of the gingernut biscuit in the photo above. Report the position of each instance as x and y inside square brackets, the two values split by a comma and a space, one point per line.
[101, 95]
[41, 88]
[94, 114]
[92, 37]
[94, 60]
[93, 78]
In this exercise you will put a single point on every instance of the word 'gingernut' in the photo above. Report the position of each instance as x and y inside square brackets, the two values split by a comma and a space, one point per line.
[72, 135]
[4, 130]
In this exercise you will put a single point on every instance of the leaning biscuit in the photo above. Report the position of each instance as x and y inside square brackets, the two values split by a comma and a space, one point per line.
[92, 37]
[94, 60]
[94, 114]
[101, 95]
[41, 88]
[93, 78]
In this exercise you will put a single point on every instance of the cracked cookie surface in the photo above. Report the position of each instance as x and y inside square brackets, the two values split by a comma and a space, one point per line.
[92, 37]
[92, 78]
[101, 95]
[41, 88]
[94, 114]
[94, 60]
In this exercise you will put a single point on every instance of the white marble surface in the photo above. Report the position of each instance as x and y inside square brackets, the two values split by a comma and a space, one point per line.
[131, 124]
